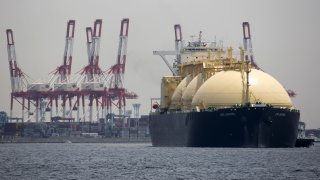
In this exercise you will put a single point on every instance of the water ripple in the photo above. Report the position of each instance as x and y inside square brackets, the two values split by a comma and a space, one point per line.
[141, 161]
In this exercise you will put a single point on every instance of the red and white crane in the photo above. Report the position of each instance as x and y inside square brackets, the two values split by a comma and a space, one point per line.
[118, 69]
[92, 85]
[117, 94]
[92, 73]
[62, 73]
[18, 79]
[60, 81]
[91, 79]
[248, 45]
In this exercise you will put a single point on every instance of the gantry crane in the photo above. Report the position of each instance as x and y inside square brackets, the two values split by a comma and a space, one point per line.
[92, 85]
[117, 94]
[91, 79]
[118, 69]
[59, 86]
[18, 78]
[92, 72]
[60, 80]
[62, 73]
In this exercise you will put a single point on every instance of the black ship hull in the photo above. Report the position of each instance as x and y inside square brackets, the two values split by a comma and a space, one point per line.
[231, 127]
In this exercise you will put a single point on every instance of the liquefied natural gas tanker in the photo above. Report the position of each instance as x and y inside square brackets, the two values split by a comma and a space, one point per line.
[218, 98]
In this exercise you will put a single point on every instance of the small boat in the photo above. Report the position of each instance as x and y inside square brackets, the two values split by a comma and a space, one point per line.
[67, 141]
[302, 140]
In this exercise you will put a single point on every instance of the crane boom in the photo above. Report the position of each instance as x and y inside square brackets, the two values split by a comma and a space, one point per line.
[95, 49]
[178, 47]
[248, 45]
[92, 71]
[62, 73]
[67, 61]
[18, 80]
[122, 50]
[89, 42]
[118, 69]
[117, 94]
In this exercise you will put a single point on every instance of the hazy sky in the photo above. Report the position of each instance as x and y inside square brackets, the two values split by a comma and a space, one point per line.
[286, 36]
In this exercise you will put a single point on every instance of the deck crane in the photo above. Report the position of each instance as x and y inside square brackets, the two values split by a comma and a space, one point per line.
[117, 91]
[18, 78]
[178, 47]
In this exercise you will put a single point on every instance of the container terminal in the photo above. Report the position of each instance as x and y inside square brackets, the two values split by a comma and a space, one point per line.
[91, 102]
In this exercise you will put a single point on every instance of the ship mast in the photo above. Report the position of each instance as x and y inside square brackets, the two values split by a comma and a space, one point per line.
[245, 70]
[248, 59]
[247, 97]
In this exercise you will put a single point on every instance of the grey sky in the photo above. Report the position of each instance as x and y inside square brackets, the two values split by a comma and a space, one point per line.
[285, 39]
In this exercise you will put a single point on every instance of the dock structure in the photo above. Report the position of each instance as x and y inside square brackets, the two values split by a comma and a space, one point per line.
[87, 96]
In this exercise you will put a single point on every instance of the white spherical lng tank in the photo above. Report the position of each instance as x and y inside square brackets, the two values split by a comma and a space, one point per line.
[178, 92]
[227, 88]
[191, 89]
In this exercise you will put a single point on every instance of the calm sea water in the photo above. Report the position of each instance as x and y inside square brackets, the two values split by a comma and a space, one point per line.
[142, 161]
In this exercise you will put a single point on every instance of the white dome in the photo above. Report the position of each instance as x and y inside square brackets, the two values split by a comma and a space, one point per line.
[191, 89]
[177, 94]
[227, 88]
